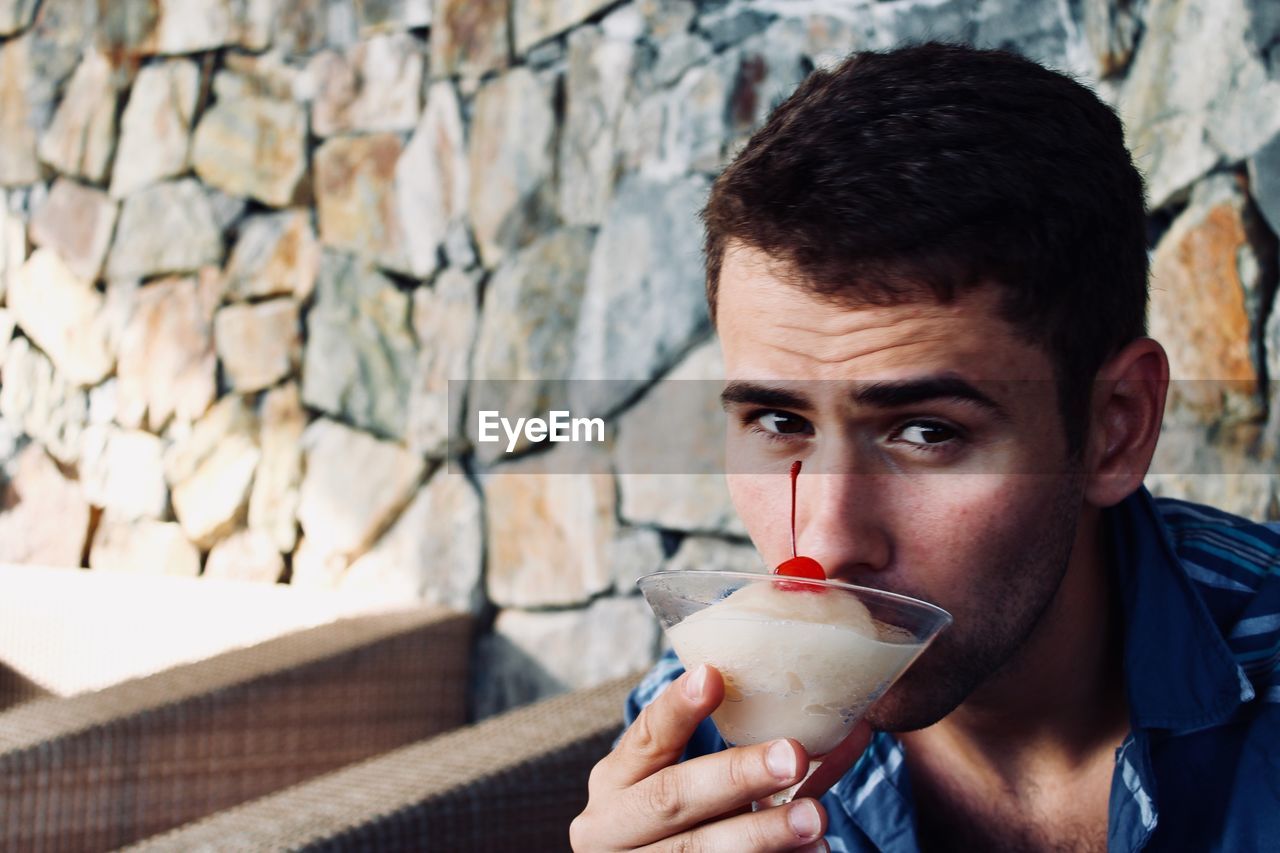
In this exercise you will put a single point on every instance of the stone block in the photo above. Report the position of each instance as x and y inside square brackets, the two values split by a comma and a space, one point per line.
[549, 534]
[64, 315]
[165, 228]
[376, 86]
[644, 304]
[710, 553]
[526, 331]
[277, 255]
[676, 481]
[255, 147]
[634, 553]
[42, 402]
[18, 115]
[469, 38]
[167, 365]
[360, 353]
[155, 130]
[16, 15]
[385, 15]
[273, 504]
[82, 136]
[246, 555]
[596, 87]
[445, 317]
[354, 487]
[13, 248]
[258, 344]
[144, 547]
[122, 471]
[358, 208]
[433, 552]
[1203, 306]
[45, 519]
[77, 222]
[212, 502]
[1196, 92]
[537, 20]
[231, 419]
[432, 178]
[511, 162]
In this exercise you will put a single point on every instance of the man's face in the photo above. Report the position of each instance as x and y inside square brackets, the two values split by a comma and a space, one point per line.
[934, 462]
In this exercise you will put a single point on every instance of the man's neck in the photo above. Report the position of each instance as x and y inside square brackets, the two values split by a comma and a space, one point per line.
[1051, 709]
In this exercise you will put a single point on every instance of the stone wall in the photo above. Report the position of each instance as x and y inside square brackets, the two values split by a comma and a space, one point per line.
[244, 245]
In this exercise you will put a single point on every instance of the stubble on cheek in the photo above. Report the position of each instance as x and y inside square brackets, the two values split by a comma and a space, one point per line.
[1016, 573]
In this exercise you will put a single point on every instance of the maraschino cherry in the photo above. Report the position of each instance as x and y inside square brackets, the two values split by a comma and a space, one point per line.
[797, 566]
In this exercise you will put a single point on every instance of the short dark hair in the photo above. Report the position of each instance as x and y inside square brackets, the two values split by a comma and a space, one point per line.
[936, 167]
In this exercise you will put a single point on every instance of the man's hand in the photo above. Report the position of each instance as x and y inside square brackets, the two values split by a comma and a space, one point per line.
[640, 798]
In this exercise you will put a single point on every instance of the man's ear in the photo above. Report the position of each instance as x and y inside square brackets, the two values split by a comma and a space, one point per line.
[1124, 421]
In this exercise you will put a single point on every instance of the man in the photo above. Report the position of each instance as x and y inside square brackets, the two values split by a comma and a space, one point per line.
[928, 274]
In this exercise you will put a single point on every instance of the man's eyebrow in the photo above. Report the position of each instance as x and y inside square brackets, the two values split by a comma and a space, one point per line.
[740, 392]
[910, 392]
[881, 394]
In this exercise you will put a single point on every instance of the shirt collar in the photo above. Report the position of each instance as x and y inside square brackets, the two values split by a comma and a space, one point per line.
[875, 798]
[1181, 675]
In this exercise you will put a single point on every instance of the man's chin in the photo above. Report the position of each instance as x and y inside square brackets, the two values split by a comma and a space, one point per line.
[904, 717]
[918, 700]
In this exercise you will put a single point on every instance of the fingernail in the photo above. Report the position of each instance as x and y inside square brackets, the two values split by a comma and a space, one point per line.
[804, 820]
[819, 846]
[781, 759]
[697, 683]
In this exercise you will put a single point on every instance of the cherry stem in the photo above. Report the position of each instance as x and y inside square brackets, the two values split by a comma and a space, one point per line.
[795, 472]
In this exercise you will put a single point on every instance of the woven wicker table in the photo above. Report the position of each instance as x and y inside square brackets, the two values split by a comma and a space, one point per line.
[510, 783]
[108, 768]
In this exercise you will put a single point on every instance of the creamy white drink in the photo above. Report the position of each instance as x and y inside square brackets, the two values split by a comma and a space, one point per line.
[796, 663]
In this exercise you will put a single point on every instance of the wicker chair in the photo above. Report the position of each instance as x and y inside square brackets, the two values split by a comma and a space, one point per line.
[105, 769]
[510, 783]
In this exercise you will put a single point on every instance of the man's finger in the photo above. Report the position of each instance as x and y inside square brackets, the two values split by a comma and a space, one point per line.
[799, 825]
[658, 736]
[837, 762]
[711, 786]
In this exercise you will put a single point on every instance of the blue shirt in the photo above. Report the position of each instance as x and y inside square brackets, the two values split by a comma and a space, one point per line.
[1200, 769]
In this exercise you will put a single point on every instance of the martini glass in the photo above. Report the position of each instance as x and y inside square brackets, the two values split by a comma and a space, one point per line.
[800, 658]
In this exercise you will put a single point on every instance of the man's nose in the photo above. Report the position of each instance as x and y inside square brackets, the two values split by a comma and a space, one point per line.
[839, 525]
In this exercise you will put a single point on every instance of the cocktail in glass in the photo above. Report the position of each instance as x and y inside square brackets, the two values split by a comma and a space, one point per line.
[800, 658]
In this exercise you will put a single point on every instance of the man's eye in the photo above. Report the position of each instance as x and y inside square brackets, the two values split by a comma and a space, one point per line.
[781, 423]
[926, 433]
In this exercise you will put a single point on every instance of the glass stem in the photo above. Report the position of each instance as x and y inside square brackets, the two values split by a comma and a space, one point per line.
[784, 796]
